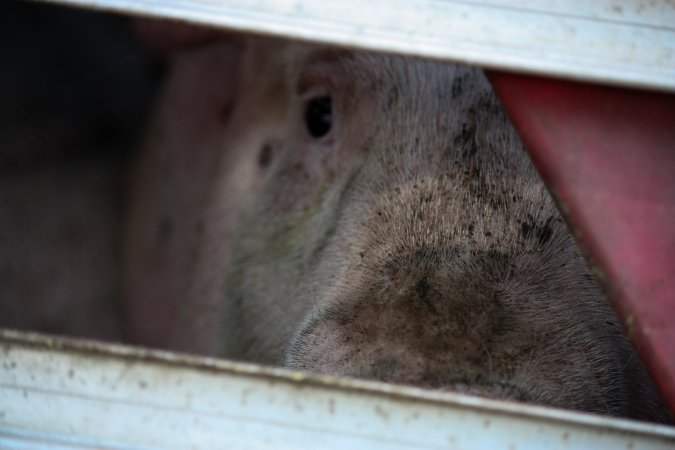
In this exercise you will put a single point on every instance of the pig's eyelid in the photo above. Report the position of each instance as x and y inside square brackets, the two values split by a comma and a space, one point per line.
[307, 91]
[315, 82]
[311, 94]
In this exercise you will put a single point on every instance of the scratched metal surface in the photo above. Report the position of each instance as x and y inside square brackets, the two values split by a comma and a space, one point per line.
[66, 393]
[613, 42]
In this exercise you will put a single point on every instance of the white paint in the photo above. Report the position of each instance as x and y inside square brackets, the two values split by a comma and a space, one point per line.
[68, 394]
[609, 41]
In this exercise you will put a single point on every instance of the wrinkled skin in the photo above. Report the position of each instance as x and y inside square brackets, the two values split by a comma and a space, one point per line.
[414, 243]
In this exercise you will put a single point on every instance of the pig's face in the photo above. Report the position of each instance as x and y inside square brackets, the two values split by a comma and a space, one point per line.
[400, 233]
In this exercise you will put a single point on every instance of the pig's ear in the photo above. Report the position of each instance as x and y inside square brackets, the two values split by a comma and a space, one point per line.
[167, 36]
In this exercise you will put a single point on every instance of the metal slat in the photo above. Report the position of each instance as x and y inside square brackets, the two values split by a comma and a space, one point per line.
[624, 43]
[67, 394]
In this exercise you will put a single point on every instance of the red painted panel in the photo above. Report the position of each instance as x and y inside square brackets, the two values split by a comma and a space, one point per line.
[608, 156]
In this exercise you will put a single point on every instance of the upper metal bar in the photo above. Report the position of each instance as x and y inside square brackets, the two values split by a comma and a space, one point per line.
[613, 42]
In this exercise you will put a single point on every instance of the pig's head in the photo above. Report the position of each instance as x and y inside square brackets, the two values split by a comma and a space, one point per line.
[398, 231]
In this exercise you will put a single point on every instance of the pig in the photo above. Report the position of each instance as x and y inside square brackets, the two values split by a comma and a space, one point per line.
[373, 216]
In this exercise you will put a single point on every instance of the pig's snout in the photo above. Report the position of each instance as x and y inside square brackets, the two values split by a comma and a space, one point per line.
[436, 319]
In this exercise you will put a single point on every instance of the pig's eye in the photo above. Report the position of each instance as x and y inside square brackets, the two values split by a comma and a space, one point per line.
[319, 116]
